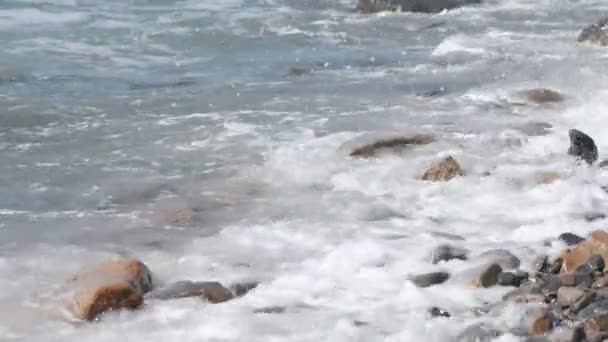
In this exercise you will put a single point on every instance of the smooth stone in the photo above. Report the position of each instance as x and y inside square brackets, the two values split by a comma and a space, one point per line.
[567, 295]
[438, 312]
[430, 279]
[596, 33]
[212, 291]
[593, 264]
[540, 322]
[110, 285]
[479, 333]
[512, 278]
[447, 253]
[488, 276]
[393, 144]
[443, 171]
[600, 282]
[582, 146]
[502, 257]
[596, 327]
[570, 239]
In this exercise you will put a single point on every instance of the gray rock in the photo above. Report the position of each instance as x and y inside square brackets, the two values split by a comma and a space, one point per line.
[502, 257]
[584, 308]
[430, 279]
[447, 253]
[582, 146]
[210, 290]
[512, 278]
[540, 263]
[555, 266]
[488, 276]
[603, 163]
[438, 312]
[570, 239]
[424, 6]
[479, 333]
[241, 289]
[596, 33]
[594, 216]
[593, 264]
[567, 295]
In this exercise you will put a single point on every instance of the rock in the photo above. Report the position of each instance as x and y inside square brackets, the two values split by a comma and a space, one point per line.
[444, 170]
[594, 216]
[547, 177]
[214, 292]
[570, 239]
[430, 279]
[173, 212]
[241, 289]
[271, 310]
[597, 243]
[600, 283]
[584, 308]
[541, 263]
[110, 285]
[512, 278]
[524, 297]
[567, 295]
[479, 333]
[582, 146]
[568, 334]
[540, 322]
[397, 143]
[596, 33]
[593, 264]
[297, 71]
[502, 257]
[555, 266]
[603, 163]
[438, 312]
[488, 276]
[595, 327]
[542, 95]
[447, 253]
[423, 6]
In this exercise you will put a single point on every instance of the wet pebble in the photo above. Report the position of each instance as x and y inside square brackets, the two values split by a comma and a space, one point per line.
[438, 312]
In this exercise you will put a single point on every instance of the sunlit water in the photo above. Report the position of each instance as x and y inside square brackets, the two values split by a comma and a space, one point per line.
[110, 108]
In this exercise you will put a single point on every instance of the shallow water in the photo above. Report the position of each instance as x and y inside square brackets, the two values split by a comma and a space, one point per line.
[108, 108]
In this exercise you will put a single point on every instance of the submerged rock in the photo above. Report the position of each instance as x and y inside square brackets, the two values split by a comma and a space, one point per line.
[430, 279]
[582, 146]
[214, 292]
[512, 278]
[447, 253]
[596, 33]
[570, 239]
[542, 95]
[110, 285]
[423, 6]
[438, 312]
[397, 143]
[444, 170]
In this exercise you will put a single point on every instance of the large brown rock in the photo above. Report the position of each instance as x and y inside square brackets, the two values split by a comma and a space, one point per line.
[110, 285]
[596, 243]
[443, 170]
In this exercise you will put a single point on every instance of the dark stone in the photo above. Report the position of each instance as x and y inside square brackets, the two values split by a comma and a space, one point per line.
[488, 276]
[541, 263]
[590, 217]
[430, 279]
[596, 33]
[570, 239]
[438, 312]
[447, 253]
[512, 278]
[603, 163]
[241, 289]
[423, 6]
[584, 308]
[479, 333]
[594, 263]
[582, 146]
